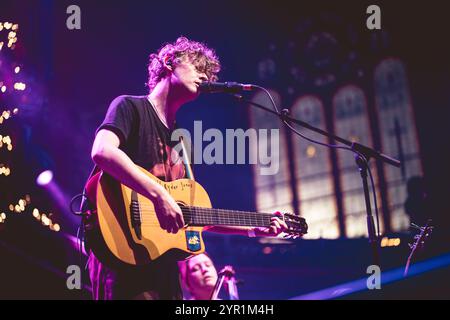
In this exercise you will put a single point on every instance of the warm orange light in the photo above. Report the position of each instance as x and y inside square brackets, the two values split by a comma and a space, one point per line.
[45, 221]
[353, 138]
[387, 242]
[311, 151]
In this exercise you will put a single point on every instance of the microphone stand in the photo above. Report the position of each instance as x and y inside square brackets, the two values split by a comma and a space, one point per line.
[362, 157]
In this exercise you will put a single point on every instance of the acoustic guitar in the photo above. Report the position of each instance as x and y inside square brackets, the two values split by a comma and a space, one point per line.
[127, 225]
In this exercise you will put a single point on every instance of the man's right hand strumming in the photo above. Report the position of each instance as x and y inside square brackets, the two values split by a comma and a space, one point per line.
[169, 213]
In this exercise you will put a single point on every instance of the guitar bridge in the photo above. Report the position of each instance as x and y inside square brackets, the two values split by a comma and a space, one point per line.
[135, 213]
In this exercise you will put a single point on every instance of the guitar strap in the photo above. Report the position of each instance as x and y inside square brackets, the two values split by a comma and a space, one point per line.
[186, 160]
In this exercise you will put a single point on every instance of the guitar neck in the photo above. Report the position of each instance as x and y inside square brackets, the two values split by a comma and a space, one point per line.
[197, 216]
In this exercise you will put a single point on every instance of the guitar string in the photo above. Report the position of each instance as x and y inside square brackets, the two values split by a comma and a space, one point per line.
[208, 222]
[210, 216]
[226, 211]
[220, 215]
[223, 221]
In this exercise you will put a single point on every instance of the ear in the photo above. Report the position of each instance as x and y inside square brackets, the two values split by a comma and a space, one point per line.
[168, 63]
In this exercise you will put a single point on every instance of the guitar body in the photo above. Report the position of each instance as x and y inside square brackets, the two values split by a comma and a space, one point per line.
[128, 226]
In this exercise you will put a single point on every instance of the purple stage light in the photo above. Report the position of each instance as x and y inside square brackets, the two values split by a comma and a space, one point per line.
[44, 178]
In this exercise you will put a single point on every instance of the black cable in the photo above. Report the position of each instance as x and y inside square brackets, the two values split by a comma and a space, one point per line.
[84, 198]
[375, 202]
[270, 96]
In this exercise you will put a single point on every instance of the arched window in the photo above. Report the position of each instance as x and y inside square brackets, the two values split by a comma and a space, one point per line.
[273, 191]
[398, 135]
[352, 123]
[313, 171]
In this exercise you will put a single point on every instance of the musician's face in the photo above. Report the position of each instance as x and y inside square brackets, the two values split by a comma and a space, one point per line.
[188, 76]
[201, 272]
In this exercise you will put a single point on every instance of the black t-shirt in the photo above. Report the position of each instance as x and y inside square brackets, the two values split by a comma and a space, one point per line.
[143, 136]
[146, 140]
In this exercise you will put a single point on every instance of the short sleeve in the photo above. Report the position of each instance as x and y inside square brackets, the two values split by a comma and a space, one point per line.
[119, 118]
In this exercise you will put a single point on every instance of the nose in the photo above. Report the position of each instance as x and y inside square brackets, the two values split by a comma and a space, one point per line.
[204, 269]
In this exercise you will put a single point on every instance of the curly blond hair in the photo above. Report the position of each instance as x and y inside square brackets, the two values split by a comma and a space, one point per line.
[204, 58]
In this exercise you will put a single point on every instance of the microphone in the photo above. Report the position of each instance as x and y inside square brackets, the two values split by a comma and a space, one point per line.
[225, 87]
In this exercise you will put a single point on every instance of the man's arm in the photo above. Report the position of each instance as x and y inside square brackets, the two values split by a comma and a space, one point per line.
[107, 155]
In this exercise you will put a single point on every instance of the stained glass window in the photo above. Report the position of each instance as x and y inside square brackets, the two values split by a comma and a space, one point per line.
[351, 122]
[398, 135]
[313, 171]
[273, 192]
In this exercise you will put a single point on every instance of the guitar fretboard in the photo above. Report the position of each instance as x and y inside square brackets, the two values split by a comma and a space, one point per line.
[198, 216]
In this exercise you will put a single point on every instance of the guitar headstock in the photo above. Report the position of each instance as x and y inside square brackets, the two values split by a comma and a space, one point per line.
[420, 238]
[297, 225]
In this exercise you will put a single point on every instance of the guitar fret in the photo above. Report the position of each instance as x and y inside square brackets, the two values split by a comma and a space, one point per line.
[208, 216]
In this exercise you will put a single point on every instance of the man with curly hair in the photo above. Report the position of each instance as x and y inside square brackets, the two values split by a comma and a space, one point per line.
[137, 130]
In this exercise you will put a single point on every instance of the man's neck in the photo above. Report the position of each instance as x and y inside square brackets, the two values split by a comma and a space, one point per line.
[166, 102]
